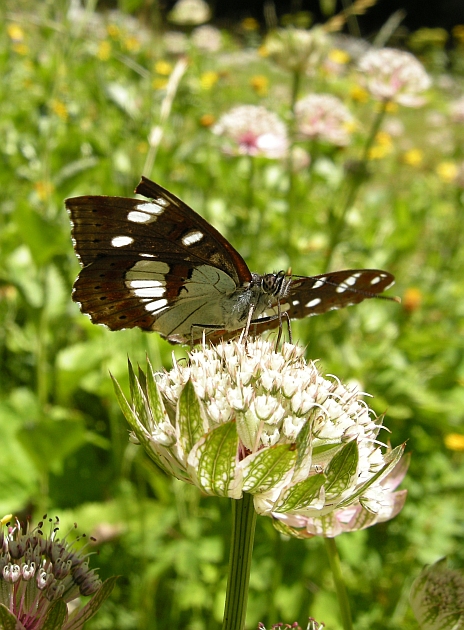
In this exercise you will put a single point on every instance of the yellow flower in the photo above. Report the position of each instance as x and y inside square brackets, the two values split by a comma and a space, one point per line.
[413, 157]
[263, 51]
[384, 139]
[15, 33]
[159, 83]
[163, 67]
[447, 171]
[412, 299]
[60, 109]
[44, 190]
[21, 49]
[260, 84]
[339, 56]
[104, 51]
[208, 79]
[113, 31]
[207, 120]
[454, 442]
[391, 107]
[359, 94]
[132, 44]
[250, 24]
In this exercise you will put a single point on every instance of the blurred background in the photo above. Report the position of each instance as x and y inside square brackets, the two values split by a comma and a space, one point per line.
[95, 95]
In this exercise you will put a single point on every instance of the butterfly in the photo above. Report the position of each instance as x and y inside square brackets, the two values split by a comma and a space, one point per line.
[157, 265]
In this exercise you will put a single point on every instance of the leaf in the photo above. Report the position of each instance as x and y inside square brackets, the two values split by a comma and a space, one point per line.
[93, 605]
[301, 495]
[8, 621]
[56, 616]
[268, 468]
[342, 469]
[190, 427]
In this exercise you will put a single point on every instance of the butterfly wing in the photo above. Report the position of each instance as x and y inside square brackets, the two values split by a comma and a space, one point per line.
[153, 264]
[307, 296]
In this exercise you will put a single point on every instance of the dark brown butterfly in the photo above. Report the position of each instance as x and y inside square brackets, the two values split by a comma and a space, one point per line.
[158, 265]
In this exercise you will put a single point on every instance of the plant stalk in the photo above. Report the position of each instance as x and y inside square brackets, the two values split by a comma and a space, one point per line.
[334, 560]
[243, 534]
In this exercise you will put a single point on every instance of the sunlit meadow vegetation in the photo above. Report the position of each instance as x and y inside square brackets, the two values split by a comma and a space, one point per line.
[354, 179]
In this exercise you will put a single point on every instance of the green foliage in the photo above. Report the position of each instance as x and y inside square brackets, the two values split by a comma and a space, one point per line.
[80, 96]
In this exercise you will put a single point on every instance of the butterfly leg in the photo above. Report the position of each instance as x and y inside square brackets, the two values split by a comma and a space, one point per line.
[246, 330]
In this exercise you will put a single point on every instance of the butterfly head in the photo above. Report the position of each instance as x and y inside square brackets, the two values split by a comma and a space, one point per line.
[272, 284]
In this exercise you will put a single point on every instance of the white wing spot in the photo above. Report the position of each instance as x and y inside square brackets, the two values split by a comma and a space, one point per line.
[148, 255]
[140, 217]
[121, 241]
[352, 279]
[295, 302]
[157, 305]
[162, 202]
[313, 303]
[151, 208]
[341, 288]
[376, 280]
[192, 237]
[318, 284]
[152, 292]
[145, 284]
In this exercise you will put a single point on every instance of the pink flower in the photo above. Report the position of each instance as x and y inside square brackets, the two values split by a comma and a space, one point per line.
[324, 117]
[252, 130]
[394, 75]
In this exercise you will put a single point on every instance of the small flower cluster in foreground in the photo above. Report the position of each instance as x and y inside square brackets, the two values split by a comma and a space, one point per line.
[40, 575]
[246, 418]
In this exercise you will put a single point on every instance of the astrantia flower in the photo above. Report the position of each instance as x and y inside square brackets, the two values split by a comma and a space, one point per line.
[190, 12]
[437, 597]
[207, 38]
[40, 575]
[252, 130]
[297, 50]
[245, 418]
[394, 75]
[324, 117]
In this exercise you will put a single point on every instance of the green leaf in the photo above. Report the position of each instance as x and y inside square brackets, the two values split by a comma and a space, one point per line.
[301, 495]
[189, 419]
[268, 468]
[213, 461]
[93, 605]
[56, 616]
[8, 621]
[342, 469]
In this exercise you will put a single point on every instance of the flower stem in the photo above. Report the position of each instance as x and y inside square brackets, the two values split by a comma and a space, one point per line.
[343, 602]
[243, 534]
[336, 223]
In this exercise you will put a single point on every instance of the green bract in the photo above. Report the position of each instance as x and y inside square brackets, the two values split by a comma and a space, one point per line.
[247, 418]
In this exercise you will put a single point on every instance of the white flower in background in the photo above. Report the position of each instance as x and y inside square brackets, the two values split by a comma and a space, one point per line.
[297, 50]
[457, 110]
[324, 117]
[175, 43]
[245, 418]
[207, 38]
[394, 75]
[252, 130]
[189, 12]
[437, 597]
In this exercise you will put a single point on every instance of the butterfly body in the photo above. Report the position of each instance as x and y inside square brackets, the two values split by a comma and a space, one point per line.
[160, 266]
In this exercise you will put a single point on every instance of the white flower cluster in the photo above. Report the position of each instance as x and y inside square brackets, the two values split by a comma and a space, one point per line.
[247, 418]
[394, 75]
[296, 49]
[253, 130]
[324, 117]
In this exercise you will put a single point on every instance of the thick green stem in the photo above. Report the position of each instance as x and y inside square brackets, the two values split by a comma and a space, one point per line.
[243, 534]
[334, 560]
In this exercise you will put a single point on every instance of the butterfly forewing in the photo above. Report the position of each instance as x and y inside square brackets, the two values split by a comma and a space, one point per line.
[158, 265]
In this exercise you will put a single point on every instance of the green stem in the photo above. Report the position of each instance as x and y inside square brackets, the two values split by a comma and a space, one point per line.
[243, 534]
[291, 197]
[336, 223]
[334, 560]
